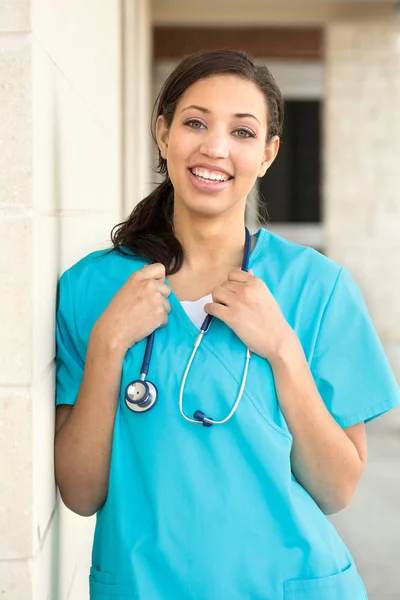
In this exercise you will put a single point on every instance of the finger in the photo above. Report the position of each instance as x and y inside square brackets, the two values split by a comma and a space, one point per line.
[163, 288]
[154, 271]
[239, 276]
[164, 312]
[166, 305]
[233, 286]
[217, 310]
[222, 296]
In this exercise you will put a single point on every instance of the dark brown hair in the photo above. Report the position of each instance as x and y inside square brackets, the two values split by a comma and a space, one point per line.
[148, 232]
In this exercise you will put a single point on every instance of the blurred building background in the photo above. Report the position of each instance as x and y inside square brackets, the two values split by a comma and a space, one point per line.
[77, 81]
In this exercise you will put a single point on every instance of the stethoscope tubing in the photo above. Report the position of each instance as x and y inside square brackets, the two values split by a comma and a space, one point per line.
[208, 420]
[245, 267]
[147, 355]
[147, 391]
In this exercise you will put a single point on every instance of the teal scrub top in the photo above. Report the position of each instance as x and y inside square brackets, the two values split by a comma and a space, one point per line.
[216, 513]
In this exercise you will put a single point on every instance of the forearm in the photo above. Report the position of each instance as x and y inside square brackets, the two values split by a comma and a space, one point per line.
[83, 445]
[324, 460]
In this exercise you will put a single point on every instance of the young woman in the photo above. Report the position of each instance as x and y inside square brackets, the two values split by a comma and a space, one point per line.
[212, 465]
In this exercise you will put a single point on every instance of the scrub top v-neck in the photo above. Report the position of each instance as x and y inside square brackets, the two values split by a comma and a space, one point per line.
[195, 309]
[198, 513]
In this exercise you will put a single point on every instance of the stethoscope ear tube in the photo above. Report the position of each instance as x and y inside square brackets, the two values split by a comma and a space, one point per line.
[245, 267]
[199, 417]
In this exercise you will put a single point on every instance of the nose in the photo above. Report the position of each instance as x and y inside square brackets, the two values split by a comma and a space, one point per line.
[215, 145]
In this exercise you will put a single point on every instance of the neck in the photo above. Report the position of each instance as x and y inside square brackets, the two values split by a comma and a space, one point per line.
[211, 244]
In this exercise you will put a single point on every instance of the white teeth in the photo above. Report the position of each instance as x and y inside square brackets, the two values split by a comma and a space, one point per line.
[210, 175]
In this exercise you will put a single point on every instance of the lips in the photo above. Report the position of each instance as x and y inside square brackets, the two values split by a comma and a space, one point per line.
[208, 186]
[225, 176]
[211, 168]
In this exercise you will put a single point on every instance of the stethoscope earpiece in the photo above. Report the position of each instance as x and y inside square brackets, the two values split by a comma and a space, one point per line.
[205, 421]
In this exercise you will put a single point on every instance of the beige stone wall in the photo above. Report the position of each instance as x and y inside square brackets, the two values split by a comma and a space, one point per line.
[61, 183]
[362, 160]
[268, 12]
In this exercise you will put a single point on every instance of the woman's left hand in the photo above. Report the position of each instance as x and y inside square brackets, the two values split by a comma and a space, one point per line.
[246, 305]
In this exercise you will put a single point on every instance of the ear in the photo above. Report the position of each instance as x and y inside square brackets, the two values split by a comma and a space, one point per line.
[270, 153]
[162, 135]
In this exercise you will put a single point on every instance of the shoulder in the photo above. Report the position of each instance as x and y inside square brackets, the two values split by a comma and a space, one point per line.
[88, 286]
[107, 266]
[284, 261]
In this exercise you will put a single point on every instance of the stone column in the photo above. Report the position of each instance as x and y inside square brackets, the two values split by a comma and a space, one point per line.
[24, 533]
[362, 165]
[61, 188]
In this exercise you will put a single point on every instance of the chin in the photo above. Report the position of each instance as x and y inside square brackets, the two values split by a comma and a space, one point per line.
[209, 208]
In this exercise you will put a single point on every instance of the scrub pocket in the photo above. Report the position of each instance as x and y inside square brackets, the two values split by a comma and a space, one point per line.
[346, 585]
[102, 587]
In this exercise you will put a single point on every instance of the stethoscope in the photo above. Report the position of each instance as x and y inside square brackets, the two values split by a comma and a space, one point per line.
[142, 395]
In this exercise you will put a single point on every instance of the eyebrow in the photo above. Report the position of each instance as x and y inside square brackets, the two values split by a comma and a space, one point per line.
[208, 111]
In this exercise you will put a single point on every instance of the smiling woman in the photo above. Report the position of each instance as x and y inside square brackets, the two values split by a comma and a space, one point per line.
[232, 506]
[211, 115]
[220, 139]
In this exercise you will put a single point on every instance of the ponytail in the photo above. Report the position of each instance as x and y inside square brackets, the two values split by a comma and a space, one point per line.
[148, 232]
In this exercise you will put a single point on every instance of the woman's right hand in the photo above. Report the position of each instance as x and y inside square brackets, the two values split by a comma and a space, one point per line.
[138, 308]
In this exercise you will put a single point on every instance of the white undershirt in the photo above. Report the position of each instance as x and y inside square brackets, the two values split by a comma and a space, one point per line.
[195, 309]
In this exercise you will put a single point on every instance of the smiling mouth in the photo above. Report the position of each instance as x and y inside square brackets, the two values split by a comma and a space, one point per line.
[216, 178]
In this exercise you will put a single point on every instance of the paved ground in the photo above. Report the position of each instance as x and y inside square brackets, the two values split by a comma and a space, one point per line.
[371, 525]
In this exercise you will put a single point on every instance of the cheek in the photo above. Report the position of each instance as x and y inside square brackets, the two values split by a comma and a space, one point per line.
[180, 146]
[248, 165]
[175, 155]
[247, 156]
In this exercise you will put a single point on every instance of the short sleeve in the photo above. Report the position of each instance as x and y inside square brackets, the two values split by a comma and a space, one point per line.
[349, 365]
[69, 363]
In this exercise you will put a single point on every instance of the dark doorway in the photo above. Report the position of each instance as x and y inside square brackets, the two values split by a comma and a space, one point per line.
[292, 186]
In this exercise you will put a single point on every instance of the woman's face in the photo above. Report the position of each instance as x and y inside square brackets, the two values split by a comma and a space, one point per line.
[216, 146]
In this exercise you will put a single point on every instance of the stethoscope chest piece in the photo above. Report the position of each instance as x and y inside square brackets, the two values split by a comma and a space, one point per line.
[140, 396]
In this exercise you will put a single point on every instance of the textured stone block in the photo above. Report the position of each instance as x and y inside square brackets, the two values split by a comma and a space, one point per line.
[15, 120]
[16, 300]
[14, 15]
[15, 580]
[362, 175]
[375, 267]
[16, 471]
[362, 125]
